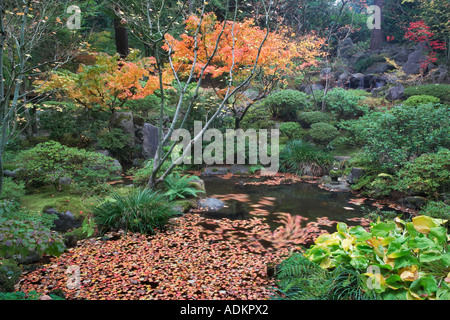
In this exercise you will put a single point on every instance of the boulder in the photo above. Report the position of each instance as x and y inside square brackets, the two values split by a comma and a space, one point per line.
[215, 171]
[380, 67]
[104, 152]
[150, 140]
[440, 74]
[210, 205]
[345, 47]
[64, 221]
[124, 121]
[401, 56]
[308, 89]
[413, 202]
[355, 174]
[395, 93]
[413, 64]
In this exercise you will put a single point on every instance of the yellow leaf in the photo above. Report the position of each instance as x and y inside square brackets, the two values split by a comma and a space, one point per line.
[423, 224]
[410, 273]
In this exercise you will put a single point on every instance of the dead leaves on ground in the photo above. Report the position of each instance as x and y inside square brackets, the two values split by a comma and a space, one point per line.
[197, 258]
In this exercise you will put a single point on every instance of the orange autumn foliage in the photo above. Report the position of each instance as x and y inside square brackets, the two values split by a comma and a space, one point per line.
[238, 44]
[108, 83]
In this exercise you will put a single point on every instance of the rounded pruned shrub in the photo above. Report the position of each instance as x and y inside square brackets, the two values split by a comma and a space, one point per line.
[141, 210]
[323, 133]
[441, 91]
[419, 100]
[308, 118]
[292, 130]
[284, 104]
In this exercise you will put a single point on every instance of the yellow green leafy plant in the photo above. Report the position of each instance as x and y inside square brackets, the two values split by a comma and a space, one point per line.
[397, 259]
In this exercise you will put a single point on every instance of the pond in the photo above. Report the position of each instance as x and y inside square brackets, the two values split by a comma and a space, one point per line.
[303, 199]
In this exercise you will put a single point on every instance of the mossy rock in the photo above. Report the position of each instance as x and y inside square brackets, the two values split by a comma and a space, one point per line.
[9, 275]
[185, 205]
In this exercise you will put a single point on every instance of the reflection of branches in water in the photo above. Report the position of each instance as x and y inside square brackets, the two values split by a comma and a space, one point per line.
[291, 231]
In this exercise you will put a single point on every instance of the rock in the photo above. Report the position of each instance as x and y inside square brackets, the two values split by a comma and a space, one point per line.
[395, 93]
[124, 121]
[31, 257]
[150, 140]
[138, 162]
[413, 64]
[440, 75]
[325, 74]
[184, 205]
[401, 57]
[345, 47]
[45, 297]
[413, 202]
[215, 171]
[210, 205]
[70, 240]
[309, 89]
[65, 220]
[239, 169]
[9, 173]
[355, 174]
[65, 181]
[380, 67]
[104, 152]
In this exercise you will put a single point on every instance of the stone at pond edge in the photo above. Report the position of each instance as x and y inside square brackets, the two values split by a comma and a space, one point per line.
[355, 174]
[210, 205]
[183, 206]
[215, 171]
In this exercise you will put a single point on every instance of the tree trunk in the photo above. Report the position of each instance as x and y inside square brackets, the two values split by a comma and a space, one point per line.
[377, 38]
[121, 34]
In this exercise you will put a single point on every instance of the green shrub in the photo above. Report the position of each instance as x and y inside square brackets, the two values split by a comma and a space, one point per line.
[25, 237]
[393, 137]
[12, 190]
[428, 174]
[310, 117]
[48, 162]
[284, 104]
[9, 275]
[292, 130]
[441, 91]
[303, 158]
[142, 210]
[323, 133]
[397, 259]
[115, 141]
[436, 209]
[418, 100]
[344, 104]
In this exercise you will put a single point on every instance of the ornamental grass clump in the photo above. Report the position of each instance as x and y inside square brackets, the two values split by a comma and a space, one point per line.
[142, 210]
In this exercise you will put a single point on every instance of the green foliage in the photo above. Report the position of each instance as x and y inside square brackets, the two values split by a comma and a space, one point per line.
[257, 118]
[180, 187]
[285, 104]
[292, 130]
[48, 162]
[11, 211]
[395, 136]
[440, 91]
[142, 210]
[310, 117]
[436, 209]
[303, 158]
[344, 104]
[418, 100]
[323, 133]
[400, 260]
[9, 275]
[115, 140]
[428, 174]
[20, 295]
[24, 237]
[12, 190]
[298, 278]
